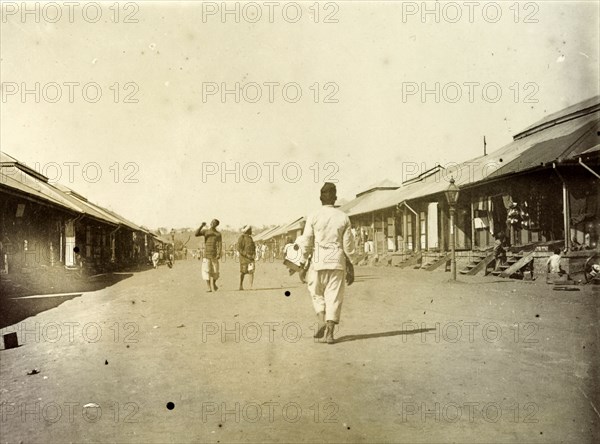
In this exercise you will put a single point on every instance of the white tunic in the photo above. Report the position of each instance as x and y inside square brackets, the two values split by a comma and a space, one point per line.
[328, 236]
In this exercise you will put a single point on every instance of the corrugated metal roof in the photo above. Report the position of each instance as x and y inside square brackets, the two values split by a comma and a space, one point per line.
[37, 191]
[26, 180]
[283, 229]
[348, 206]
[20, 177]
[366, 203]
[296, 225]
[123, 220]
[384, 184]
[9, 161]
[88, 208]
[163, 238]
[590, 105]
[29, 185]
[265, 234]
[577, 138]
[107, 214]
[574, 134]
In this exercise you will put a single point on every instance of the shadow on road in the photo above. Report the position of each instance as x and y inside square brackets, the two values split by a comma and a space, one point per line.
[365, 277]
[271, 288]
[382, 334]
[503, 281]
[20, 301]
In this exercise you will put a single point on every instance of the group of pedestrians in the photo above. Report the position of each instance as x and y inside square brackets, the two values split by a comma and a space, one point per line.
[213, 248]
[327, 243]
[161, 256]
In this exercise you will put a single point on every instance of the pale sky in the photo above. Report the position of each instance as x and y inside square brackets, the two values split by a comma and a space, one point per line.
[547, 53]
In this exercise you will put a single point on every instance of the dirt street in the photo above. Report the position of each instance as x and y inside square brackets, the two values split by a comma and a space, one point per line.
[154, 358]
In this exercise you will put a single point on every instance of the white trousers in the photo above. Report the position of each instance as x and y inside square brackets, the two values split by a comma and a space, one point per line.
[326, 288]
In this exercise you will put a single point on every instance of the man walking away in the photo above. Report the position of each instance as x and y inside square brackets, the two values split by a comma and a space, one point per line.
[329, 239]
[212, 253]
[247, 250]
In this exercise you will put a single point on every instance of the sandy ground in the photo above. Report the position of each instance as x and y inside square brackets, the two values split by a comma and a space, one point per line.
[418, 359]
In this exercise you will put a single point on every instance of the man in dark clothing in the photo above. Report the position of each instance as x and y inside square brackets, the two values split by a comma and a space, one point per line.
[247, 250]
[212, 253]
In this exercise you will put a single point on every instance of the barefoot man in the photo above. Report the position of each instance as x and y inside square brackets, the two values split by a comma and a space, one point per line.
[212, 253]
[329, 239]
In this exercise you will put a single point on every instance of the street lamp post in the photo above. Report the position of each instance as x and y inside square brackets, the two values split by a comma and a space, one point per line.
[452, 197]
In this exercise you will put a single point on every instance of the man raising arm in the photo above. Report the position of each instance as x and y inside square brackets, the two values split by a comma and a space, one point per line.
[212, 253]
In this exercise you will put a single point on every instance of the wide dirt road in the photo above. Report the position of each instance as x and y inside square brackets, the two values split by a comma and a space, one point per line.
[418, 360]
